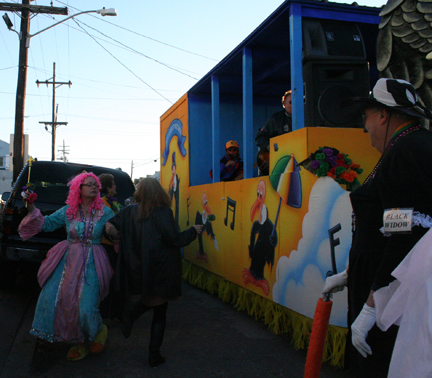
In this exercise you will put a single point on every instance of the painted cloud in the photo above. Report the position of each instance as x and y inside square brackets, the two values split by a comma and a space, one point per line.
[300, 277]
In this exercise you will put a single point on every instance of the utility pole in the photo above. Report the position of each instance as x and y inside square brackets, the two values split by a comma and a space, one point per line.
[25, 8]
[64, 152]
[54, 122]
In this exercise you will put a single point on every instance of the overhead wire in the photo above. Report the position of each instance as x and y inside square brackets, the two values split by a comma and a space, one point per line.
[142, 35]
[131, 49]
[118, 60]
[138, 52]
[121, 45]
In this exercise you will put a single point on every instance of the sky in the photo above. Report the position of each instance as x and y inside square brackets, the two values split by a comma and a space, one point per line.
[126, 71]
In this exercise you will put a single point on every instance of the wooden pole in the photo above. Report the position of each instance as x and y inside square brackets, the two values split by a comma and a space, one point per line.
[18, 148]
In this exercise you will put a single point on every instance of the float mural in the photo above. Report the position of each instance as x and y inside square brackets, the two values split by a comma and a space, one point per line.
[278, 235]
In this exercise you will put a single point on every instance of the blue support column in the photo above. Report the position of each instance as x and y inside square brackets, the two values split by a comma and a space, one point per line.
[248, 135]
[296, 45]
[215, 107]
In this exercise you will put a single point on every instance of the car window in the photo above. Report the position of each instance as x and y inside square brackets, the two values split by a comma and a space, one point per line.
[51, 178]
[51, 191]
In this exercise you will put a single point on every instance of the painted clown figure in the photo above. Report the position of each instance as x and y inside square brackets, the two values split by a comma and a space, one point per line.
[205, 218]
[263, 240]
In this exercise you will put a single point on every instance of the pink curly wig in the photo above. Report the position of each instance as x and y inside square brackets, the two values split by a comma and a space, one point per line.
[74, 197]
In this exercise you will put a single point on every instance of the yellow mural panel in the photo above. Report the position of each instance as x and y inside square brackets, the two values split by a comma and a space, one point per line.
[231, 231]
[259, 247]
[273, 235]
[207, 208]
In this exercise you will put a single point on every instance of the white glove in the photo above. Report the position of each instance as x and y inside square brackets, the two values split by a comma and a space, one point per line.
[335, 283]
[360, 329]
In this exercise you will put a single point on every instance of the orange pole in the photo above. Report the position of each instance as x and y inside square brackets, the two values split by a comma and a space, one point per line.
[317, 340]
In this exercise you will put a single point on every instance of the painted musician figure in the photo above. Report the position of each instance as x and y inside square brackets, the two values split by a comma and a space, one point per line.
[174, 189]
[279, 123]
[401, 181]
[231, 165]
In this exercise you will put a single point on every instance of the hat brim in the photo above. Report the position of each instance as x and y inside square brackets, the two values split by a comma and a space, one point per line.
[354, 106]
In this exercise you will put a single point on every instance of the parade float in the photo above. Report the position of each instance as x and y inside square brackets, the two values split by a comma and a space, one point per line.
[270, 241]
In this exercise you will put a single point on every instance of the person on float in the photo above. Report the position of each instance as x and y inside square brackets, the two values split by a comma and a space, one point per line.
[399, 181]
[75, 275]
[279, 123]
[231, 165]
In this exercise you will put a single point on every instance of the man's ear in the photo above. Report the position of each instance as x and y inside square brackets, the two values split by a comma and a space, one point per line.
[384, 114]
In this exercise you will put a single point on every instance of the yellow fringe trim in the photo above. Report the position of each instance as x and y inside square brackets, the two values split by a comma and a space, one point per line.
[279, 319]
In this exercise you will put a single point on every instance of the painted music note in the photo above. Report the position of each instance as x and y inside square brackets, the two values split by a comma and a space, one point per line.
[231, 206]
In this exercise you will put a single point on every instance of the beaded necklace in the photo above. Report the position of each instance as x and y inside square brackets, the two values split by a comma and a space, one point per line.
[88, 226]
[395, 137]
[85, 237]
[114, 205]
[404, 131]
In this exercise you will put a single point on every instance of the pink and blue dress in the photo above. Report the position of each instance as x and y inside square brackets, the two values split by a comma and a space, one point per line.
[74, 276]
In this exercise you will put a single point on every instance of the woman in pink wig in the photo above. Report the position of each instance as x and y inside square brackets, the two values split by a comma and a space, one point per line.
[76, 272]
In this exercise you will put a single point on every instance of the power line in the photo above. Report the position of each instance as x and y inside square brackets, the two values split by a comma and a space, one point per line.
[119, 44]
[133, 73]
[137, 52]
[98, 81]
[142, 35]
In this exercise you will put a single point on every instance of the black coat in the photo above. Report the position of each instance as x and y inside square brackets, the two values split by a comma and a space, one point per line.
[402, 180]
[279, 123]
[149, 261]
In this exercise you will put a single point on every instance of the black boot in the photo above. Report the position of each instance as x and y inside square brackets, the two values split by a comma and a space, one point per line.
[132, 313]
[156, 339]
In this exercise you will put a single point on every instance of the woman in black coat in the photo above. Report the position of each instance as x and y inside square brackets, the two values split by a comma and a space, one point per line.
[149, 262]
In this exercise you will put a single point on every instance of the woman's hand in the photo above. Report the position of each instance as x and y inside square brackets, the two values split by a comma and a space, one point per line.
[198, 228]
[28, 199]
[111, 230]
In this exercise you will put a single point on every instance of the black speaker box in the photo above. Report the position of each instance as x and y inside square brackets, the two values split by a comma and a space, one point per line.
[326, 85]
[332, 40]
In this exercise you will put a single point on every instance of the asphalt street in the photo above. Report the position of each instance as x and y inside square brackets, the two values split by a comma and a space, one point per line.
[205, 337]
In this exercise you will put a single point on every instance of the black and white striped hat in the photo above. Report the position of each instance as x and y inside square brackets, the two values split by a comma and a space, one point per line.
[394, 93]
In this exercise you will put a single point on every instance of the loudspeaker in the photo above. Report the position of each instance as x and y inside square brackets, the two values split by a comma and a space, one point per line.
[332, 40]
[335, 68]
[326, 85]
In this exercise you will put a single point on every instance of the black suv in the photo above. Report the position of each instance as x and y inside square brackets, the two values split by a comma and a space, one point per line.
[50, 179]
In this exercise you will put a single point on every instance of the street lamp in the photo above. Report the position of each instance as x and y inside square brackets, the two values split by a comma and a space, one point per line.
[17, 160]
[103, 12]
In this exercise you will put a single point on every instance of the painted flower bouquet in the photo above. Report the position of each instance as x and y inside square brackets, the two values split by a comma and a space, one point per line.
[328, 161]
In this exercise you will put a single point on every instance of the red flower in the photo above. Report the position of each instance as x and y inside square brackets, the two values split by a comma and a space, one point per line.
[348, 176]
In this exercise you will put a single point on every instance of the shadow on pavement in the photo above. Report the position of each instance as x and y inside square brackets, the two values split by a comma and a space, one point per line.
[204, 338]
